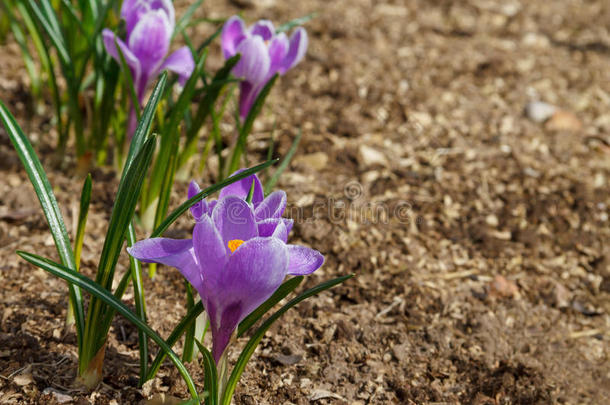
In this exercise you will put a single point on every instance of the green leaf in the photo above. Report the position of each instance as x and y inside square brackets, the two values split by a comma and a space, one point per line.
[20, 38]
[135, 102]
[281, 293]
[173, 216]
[45, 195]
[211, 375]
[205, 107]
[295, 23]
[189, 338]
[256, 109]
[104, 295]
[183, 22]
[165, 167]
[83, 213]
[138, 293]
[98, 317]
[283, 165]
[145, 122]
[248, 350]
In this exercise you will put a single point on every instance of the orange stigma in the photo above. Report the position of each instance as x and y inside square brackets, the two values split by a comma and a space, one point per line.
[234, 244]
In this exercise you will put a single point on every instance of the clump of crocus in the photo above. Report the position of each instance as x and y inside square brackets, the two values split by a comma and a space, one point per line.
[263, 54]
[238, 256]
[150, 25]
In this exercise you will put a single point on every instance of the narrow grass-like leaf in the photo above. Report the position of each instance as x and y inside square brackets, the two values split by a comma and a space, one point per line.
[167, 160]
[51, 27]
[183, 22]
[283, 165]
[28, 61]
[46, 63]
[145, 122]
[98, 316]
[295, 23]
[45, 195]
[211, 375]
[210, 39]
[189, 337]
[135, 102]
[83, 213]
[104, 295]
[173, 216]
[206, 106]
[138, 293]
[281, 293]
[246, 128]
[248, 350]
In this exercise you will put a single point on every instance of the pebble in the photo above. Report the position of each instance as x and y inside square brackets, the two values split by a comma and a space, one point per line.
[563, 121]
[539, 111]
[315, 161]
[59, 397]
[370, 156]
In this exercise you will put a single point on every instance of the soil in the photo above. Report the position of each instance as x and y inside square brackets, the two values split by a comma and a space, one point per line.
[478, 237]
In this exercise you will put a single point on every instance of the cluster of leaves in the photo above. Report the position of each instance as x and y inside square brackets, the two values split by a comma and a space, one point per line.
[66, 61]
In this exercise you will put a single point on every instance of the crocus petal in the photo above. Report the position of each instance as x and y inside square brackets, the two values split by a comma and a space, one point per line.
[254, 63]
[281, 232]
[247, 96]
[275, 227]
[264, 29]
[278, 48]
[303, 260]
[233, 32]
[272, 207]
[289, 223]
[178, 253]
[201, 207]
[241, 188]
[180, 62]
[234, 219]
[266, 227]
[149, 40]
[110, 43]
[296, 51]
[210, 250]
[132, 11]
[254, 271]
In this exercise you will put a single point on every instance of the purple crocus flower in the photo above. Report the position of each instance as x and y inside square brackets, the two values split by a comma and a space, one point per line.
[150, 24]
[238, 256]
[263, 54]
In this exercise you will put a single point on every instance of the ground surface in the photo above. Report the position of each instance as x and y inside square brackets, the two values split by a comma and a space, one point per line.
[479, 238]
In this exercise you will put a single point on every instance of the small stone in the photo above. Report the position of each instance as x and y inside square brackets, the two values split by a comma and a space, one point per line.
[563, 121]
[401, 352]
[316, 161]
[422, 118]
[539, 111]
[563, 296]
[287, 359]
[370, 156]
[500, 287]
[492, 220]
[58, 396]
[23, 379]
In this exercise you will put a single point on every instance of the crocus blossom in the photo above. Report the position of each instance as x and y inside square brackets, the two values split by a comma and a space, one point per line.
[263, 54]
[238, 256]
[149, 24]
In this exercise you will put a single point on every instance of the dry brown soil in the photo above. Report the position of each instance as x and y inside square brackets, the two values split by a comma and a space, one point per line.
[479, 238]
